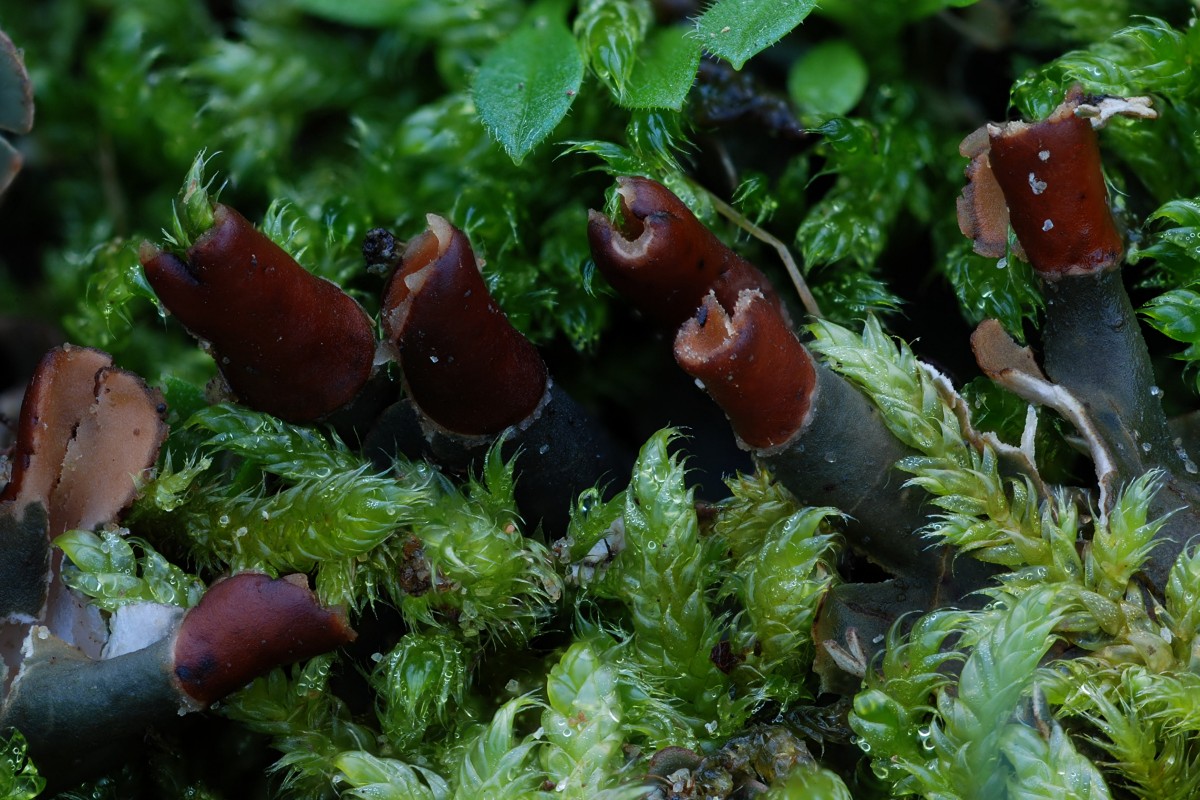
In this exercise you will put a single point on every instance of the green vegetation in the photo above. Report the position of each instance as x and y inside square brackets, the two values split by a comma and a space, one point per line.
[500, 665]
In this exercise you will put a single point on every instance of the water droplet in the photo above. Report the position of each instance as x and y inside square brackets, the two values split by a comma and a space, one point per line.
[223, 520]
[830, 458]
[433, 359]
[542, 450]
[1145, 447]
[1037, 186]
[1155, 391]
[1044, 155]
[1002, 263]
[1048, 225]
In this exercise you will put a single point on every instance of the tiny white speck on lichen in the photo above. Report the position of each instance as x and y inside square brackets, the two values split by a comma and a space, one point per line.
[1037, 186]
[1044, 155]
[1048, 224]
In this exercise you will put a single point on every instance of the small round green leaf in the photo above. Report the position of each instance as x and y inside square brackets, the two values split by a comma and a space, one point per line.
[829, 79]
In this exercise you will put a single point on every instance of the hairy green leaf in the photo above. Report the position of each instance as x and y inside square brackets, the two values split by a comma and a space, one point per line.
[1183, 602]
[309, 724]
[1123, 540]
[892, 713]
[780, 585]
[673, 629]
[1131, 711]
[737, 30]
[527, 84]
[1047, 766]
[968, 731]
[422, 681]
[584, 721]
[496, 763]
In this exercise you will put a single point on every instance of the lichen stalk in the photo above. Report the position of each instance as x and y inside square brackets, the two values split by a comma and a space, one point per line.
[828, 444]
[1052, 184]
[471, 377]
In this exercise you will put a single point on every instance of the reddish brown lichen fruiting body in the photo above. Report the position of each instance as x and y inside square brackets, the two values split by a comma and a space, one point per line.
[60, 390]
[752, 365]
[1050, 175]
[79, 713]
[286, 341]
[245, 626]
[87, 431]
[465, 366]
[663, 260]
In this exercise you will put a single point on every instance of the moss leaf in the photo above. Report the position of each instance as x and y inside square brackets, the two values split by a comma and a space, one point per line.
[666, 71]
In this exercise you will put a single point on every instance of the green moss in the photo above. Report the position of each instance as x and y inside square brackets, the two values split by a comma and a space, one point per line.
[496, 664]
